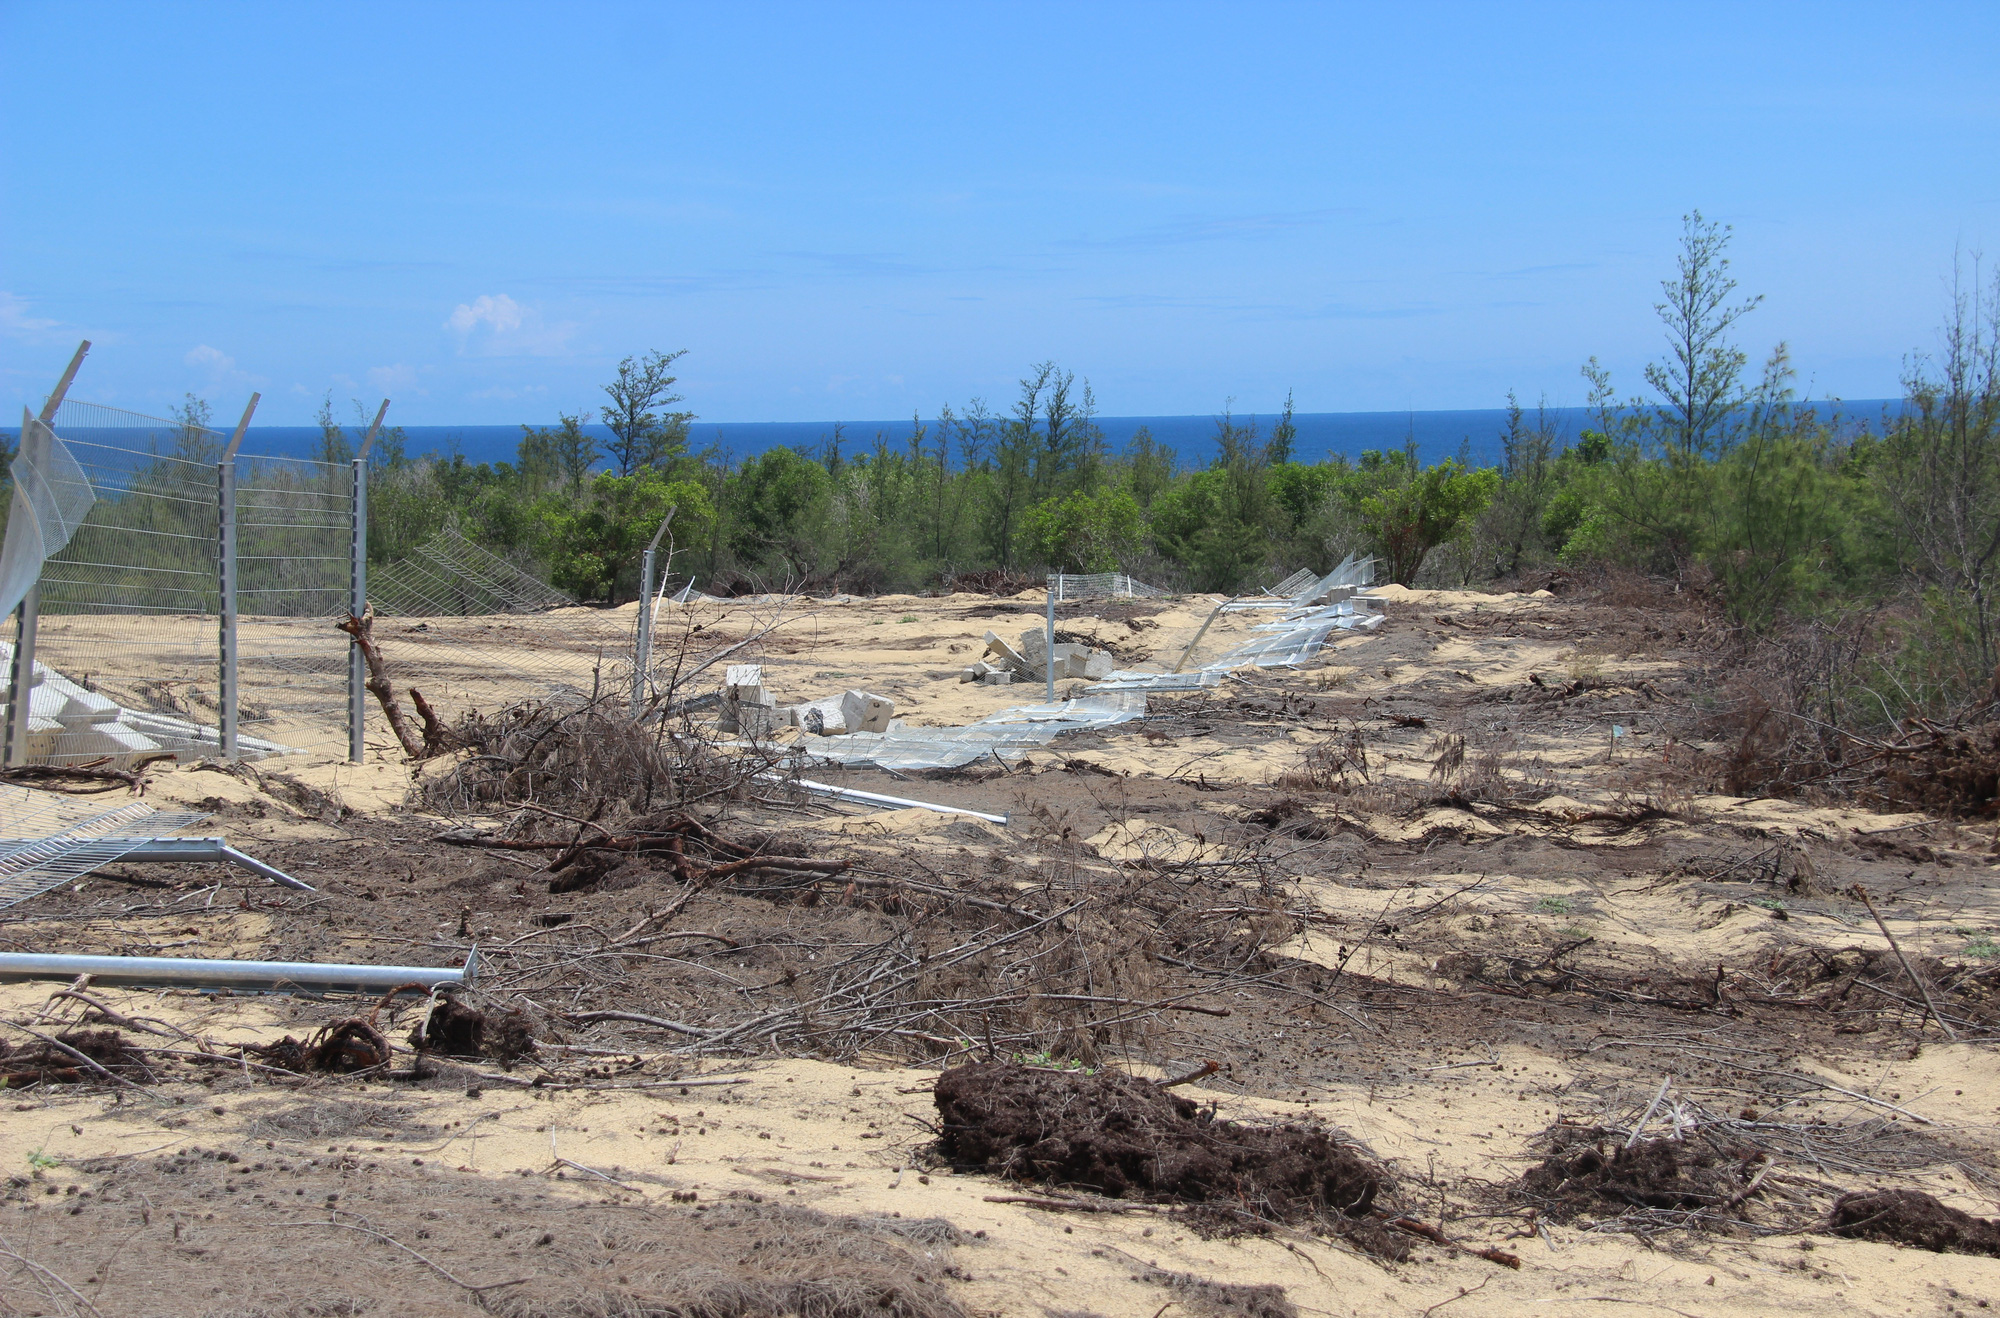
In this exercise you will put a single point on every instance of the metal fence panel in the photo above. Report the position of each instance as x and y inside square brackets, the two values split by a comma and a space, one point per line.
[294, 526]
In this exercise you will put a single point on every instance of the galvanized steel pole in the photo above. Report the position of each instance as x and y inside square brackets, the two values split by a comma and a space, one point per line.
[642, 658]
[225, 580]
[357, 596]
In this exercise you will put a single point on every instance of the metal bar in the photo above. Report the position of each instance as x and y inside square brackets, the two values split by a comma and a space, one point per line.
[21, 669]
[1203, 631]
[1049, 639]
[357, 602]
[876, 798]
[55, 399]
[374, 428]
[225, 582]
[642, 665]
[198, 973]
[236, 440]
[189, 849]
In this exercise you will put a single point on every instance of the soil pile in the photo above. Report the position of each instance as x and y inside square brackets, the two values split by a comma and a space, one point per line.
[1128, 1138]
[1587, 1173]
[57, 1063]
[1911, 1217]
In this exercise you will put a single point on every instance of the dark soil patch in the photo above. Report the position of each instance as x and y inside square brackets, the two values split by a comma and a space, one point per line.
[1588, 1172]
[455, 1029]
[1128, 1138]
[1911, 1217]
[40, 1063]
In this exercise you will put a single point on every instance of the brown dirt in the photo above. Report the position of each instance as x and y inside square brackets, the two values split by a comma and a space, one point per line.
[1129, 1138]
[1911, 1217]
[1591, 1173]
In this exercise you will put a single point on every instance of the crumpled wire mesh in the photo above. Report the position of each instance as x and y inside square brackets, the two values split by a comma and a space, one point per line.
[52, 496]
[48, 839]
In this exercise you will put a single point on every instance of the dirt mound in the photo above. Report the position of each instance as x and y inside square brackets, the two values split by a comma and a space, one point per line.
[1911, 1217]
[45, 1063]
[457, 1030]
[1588, 1172]
[1128, 1138]
[743, 1261]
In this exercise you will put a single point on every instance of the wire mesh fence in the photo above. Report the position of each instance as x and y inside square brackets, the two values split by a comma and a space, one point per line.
[128, 608]
[294, 531]
[471, 630]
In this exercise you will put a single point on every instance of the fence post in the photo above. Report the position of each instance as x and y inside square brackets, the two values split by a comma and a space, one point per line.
[21, 672]
[1049, 639]
[225, 581]
[357, 596]
[642, 658]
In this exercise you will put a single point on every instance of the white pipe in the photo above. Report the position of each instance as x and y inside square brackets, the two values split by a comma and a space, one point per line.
[196, 972]
[877, 798]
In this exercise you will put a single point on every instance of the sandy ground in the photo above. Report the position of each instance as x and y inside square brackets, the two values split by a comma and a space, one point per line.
[1443, 1068]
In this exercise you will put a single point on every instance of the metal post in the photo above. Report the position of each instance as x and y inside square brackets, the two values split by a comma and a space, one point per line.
[357, 604]
[357, 595]
[225, 580]
[1049, 641]
[21, 672]
[642, 659]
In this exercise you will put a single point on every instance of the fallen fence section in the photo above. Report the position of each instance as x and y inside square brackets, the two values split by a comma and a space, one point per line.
[877, 798]
[1100, 585]
[56, 839]
[264, 976]
[1011, 732]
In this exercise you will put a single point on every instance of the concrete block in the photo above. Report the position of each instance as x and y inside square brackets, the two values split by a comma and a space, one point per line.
[1003, 655]
[1098, 665]
[823, 718]
[758, 721]
[1001, 678]
[742, 675]
[863, 711]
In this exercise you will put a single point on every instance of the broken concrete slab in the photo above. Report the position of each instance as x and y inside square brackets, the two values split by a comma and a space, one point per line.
[863, 711]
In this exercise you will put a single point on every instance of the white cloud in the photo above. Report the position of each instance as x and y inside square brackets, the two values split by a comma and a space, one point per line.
[394, 378]
[495, 325]
[503, 313]
[16, 323]
[213, 360]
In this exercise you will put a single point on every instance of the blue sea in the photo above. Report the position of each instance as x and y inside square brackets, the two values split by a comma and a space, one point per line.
[1442, 434]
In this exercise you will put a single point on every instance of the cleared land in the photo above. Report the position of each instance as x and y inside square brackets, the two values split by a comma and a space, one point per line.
[1419, 894]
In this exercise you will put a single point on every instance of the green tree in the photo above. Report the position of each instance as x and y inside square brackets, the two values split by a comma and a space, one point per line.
[1084, 532]
[564, 453]
[1699, 382]
[593, 547]
[778, 514]
[1410, 518]
[640, 436]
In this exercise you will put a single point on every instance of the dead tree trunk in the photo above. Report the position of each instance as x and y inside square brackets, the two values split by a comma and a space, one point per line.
[362, 629]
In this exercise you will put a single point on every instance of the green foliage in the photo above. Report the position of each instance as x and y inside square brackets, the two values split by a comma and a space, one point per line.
[593, 547]
[641, 437]
[1083, 532]
[1411, 517]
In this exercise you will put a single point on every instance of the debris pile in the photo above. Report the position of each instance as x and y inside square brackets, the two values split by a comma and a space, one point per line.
[1911, 1217]
[1587, 1173]
[1129, 1138]
[1029, 662]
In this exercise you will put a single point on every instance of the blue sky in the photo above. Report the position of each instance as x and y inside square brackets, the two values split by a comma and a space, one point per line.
[854, 211]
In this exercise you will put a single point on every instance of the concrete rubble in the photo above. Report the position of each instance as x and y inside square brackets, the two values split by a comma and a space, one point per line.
[66, 722]
[1004, 663]
[749, 710]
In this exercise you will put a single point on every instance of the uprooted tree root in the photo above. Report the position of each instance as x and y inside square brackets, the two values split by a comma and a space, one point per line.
[456, 1029]
[1130, 1139]
[1911, 1217]
[1588, 1173]
[346, 1047]
[45, 1063]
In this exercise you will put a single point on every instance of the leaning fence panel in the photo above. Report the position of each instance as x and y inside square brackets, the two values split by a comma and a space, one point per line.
[126, 639]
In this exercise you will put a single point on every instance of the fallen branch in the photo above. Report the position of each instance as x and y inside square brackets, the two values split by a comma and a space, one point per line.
[362, 629]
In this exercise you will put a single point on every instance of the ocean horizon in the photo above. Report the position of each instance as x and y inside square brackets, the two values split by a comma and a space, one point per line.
[1473, 433]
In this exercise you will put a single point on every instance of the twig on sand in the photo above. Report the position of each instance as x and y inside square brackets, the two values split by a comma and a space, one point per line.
[388, 1239]
[1923, 986]
[1462, 1293]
